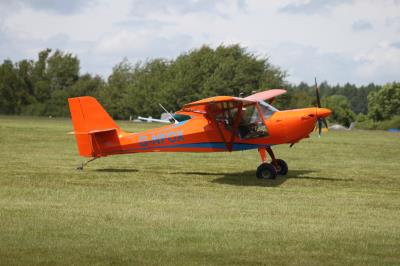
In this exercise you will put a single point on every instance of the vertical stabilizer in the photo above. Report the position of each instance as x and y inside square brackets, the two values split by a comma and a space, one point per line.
[93, 126]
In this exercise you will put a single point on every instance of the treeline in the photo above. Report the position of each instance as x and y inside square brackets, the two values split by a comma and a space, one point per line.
[42, 87]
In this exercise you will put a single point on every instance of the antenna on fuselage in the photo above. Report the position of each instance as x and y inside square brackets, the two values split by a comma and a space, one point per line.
[176, 121]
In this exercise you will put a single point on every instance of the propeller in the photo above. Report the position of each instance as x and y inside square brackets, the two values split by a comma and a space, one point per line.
[320, 121]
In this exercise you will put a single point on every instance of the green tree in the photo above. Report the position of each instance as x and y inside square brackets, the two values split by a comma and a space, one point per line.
[200, 73]
[86, 85]
[9, 89]
[299, 96]
[25, 72]
[57, 104]
[62, 70]
[113, 94]
[42, 87]
[385, 103]
[152, 85]
[41, 83]
[341, 111]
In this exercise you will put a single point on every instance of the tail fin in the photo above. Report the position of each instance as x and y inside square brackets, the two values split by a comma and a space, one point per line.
[95, 131]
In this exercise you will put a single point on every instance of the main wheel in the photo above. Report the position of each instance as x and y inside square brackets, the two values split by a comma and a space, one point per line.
[282, 167]
[266, 171]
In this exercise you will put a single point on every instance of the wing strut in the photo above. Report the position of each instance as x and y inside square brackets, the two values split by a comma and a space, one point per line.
[235, 126]
[219, 131]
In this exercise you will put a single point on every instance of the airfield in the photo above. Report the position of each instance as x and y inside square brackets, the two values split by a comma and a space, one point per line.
[338, 205]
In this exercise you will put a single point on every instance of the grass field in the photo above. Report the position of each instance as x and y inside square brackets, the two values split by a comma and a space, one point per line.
[339, 204]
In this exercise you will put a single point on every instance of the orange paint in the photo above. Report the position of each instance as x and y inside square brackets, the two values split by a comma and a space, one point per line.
[217, 124]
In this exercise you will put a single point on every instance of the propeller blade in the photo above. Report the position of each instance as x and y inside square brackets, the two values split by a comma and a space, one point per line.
[325, 123]
[317, 93]
[322, 119]
[319, 127]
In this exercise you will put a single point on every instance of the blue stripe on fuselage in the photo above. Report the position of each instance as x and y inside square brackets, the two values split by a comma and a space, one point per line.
[210, 145]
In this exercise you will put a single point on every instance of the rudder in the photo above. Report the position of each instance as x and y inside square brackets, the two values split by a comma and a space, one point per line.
[93, 126]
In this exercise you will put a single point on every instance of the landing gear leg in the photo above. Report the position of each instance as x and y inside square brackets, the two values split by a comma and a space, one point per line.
[85, 163]
[279, 164]
[272, 155]
[263, 155]
[265, 170]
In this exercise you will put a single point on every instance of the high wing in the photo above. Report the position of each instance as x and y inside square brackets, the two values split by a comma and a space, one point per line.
[223, 111]
[212, 104]
[215, 104]
[265, 95]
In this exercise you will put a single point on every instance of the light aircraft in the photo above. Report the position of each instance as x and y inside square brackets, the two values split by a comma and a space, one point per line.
[150, 119]
[216, 124]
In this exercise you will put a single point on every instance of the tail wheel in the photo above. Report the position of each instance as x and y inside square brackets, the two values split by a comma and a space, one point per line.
[266, 171]
[281, 167]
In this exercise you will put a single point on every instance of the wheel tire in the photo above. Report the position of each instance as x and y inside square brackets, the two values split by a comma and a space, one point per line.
[266, 171]
[282, 168]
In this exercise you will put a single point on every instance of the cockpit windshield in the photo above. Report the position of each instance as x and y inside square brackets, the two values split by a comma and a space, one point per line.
[267, 110]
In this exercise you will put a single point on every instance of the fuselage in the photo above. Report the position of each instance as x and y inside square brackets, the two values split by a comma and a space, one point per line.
[200, 134]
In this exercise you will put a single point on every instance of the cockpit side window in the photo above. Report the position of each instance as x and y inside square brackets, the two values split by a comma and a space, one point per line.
[251, 124]
[227, 114]
[252, 117]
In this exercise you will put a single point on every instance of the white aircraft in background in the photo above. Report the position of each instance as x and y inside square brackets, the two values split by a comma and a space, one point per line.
[150, 119]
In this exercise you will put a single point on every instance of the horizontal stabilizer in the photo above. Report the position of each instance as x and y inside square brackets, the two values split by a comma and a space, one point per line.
[102, 130]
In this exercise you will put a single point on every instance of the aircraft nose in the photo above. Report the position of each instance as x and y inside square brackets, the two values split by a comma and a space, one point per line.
[323, 112]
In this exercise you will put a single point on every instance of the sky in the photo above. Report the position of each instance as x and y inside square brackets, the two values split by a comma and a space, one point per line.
[356, 41]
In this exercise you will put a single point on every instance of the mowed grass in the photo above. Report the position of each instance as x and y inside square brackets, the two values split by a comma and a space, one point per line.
[339, 204]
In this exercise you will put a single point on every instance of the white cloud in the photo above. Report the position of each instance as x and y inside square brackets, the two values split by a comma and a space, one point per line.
[60, 7]
[395, 45]
[381, 63]
[306, 62]
[340, 40]
[143, 8]
[141, 44]
[361, 25]
[312, 6]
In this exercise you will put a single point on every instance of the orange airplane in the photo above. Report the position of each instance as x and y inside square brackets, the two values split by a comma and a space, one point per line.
[216, 124]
